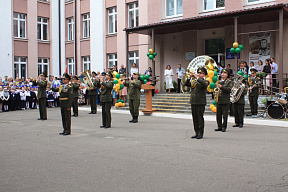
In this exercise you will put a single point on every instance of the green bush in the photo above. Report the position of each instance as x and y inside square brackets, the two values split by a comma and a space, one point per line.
[175, 85]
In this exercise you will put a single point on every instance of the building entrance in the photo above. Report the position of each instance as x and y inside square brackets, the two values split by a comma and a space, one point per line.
[215, 48]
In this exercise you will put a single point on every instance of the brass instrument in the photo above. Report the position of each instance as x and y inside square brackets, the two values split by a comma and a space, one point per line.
[184, 88]
[237, 89]
[216, 92]
[87, 80]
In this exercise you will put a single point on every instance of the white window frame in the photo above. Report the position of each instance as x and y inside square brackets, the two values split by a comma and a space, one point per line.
[71, 63]
[259, 2]
[17, 61]
[86, 25]
[214, 6]
[42, 23]
[135, 59]
[86, 61]
[19, 20]
[42, 64]
[70, 29]
[113, 60]
[114, 18]
[135, 10]
[175, 10]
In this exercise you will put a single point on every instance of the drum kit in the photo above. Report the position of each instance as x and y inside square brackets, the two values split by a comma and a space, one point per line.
[278, 109]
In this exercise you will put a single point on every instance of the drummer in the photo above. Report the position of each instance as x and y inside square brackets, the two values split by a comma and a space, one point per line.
[253, 90]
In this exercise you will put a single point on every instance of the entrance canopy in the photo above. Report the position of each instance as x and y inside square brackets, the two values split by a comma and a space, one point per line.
[245, 16]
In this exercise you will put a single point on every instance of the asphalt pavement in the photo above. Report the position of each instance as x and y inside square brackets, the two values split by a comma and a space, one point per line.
[156, 154]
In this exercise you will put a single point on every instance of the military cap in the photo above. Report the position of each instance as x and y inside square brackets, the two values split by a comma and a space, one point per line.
[66, 76]
[253, 69]
[93, 72]
[225, 70]
[103, 73]
[110, 74]
[202, 70]
[43, 74]
[75, 77]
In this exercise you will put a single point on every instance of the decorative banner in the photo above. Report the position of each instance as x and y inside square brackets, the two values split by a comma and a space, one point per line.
[259, 47]
[200, 61]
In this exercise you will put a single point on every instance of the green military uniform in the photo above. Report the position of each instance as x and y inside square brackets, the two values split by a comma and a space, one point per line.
[42, 85]
[223, 104]
[134, 88]
[238, 108]
[106, 100]
[93, 96]
[65, 99]
[198, 102]
[75, 88]
[253, 93]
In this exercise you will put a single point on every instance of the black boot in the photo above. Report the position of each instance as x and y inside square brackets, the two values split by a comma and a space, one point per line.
[135, 119]
[131, 121]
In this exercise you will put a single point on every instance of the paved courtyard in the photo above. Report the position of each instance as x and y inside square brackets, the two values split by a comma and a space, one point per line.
[156, 154]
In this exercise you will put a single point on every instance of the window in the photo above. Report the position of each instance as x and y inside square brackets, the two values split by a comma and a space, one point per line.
[20, 67]
[213, 4]
[42, 28]
[133, 58]
[86, 25]
[112, 19]
[70, 29]
[86, 63]
[174, 7]
[112, 60]
[258, 1]
[19, 25]
[71, 66]
[42, 65]
[133, 14]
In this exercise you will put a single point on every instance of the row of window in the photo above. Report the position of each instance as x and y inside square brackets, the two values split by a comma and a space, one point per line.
[20, 64]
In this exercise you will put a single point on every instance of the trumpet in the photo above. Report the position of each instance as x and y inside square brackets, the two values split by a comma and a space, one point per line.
[87, 80]
[217, 92]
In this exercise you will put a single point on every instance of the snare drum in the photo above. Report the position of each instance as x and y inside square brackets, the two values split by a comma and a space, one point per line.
[276, 110]
[283, 99]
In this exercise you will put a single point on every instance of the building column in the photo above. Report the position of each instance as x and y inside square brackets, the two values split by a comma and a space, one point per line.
[280, 59]
[153, 61]
[236, 40]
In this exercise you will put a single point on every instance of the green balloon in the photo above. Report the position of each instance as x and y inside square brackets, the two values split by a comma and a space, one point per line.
[151, 57]
[154, 54]
[215, 73]
[238, 50]
[118, 76]
[145, 81]
[121, 87]
[142, 77]
[148, 54]
[147, 76]
[115, 81]
[241, 47]
[246, 76]
[118, 101]
[212, 85]
[232, 50]
[214, 103]
[240, 72]
[122, 101]
[215, 79]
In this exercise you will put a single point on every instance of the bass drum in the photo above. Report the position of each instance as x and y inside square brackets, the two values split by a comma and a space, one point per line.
[275, 110]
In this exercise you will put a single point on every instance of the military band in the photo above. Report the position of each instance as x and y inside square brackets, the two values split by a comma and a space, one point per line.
[223, 103]
[41, 82]
[65, 99]
[134, 87]
[93, 94]
[253, 90]
[198, 100]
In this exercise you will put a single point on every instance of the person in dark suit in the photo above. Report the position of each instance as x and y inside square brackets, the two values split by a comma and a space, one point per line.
[65, 98]
[75, 87]
[134, 87]
[41, 82]
[224, 86]
[93, 93]
[254, 85]
[106, 100]
[198, 100]
[13, 100]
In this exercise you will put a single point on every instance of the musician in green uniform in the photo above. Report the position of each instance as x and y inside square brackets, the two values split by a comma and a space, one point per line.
[65, 99]
[198, 100]
[238, 107]
[75, 86]
[41, 82]
[93, 93]
[223, 104]
[134, 87]
[106, 100]
[253, 90]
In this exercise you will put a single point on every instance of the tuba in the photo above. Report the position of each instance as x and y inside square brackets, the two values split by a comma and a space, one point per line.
[87, 80]
[237, 89]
